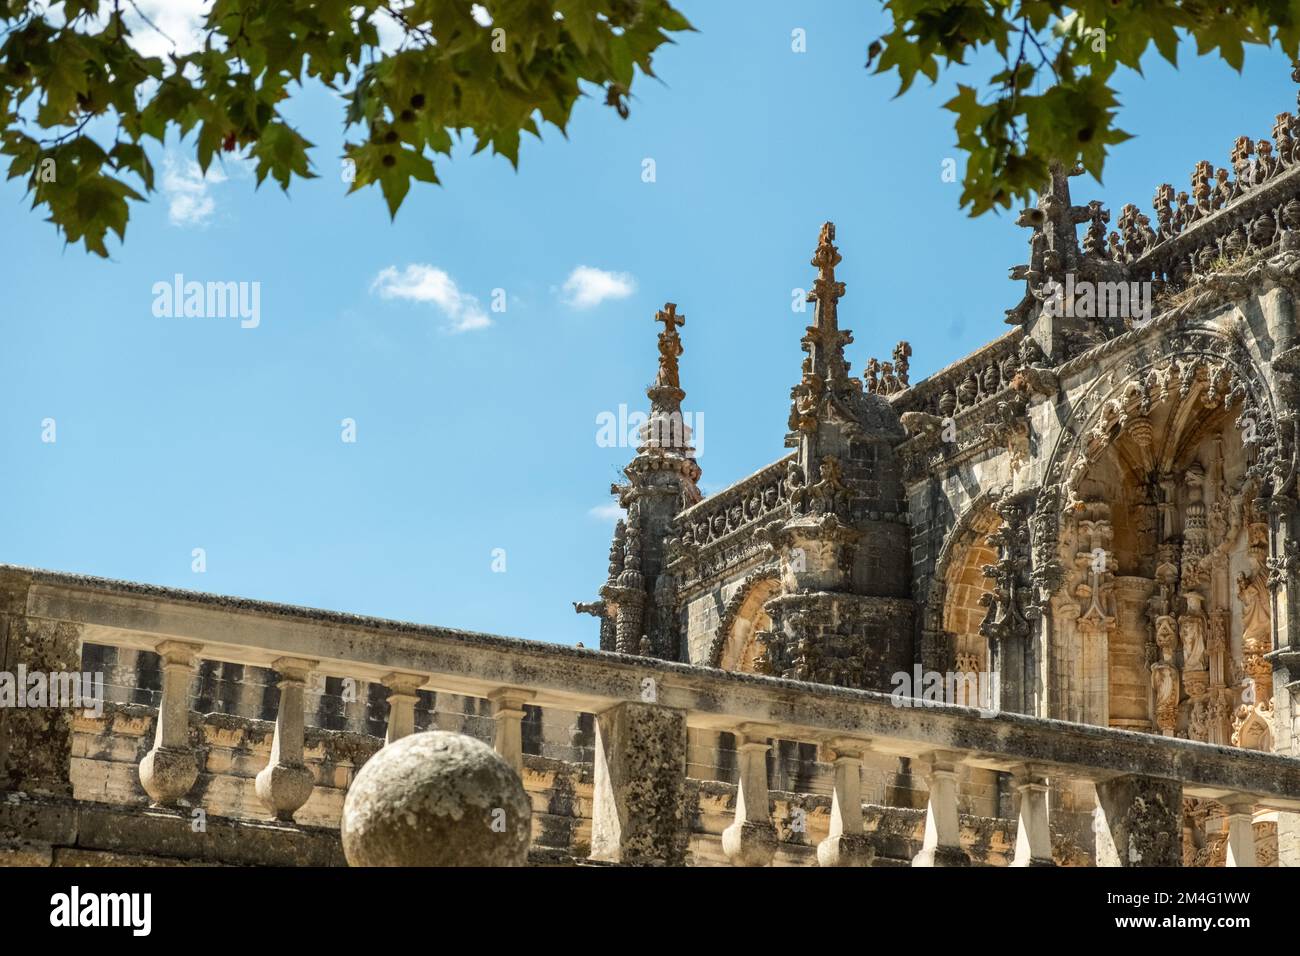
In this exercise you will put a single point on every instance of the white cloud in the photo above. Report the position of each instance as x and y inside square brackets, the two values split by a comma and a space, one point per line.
[390, 31]
[188, 191]
[607, 512]
[424, 283]
[180, 20]
[587, 287]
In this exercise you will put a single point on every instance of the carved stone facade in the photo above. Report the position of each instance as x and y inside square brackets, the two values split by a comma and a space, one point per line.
[1096, 511]
[1099, 507]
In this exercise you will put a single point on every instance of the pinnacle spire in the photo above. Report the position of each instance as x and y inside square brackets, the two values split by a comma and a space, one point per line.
[824, 341]
[666, 434]
[826, 290]
[636, 604]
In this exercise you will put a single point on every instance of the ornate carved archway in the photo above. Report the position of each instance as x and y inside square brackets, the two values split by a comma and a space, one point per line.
[961, 587]
[736, 646]
[1148, 540]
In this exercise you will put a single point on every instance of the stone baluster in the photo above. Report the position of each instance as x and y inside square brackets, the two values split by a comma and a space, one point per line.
[941, 845]
[1033, 833]
[1139, 821]
[169, 770]
[1241, 834]
[402, 697]
[638, 806]
[508, 715]
[846, 845]
[751, 840]
[285, 783]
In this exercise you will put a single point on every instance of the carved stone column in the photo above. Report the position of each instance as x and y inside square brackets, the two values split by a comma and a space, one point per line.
[1241, 835]
[508, 714]
[1139, 822]
[942, 843]
[35, 742]
[638, 810]
[169, 770]
[1033, 835]
[1096, 625]
[846, 845]
[403, 695]
[1066, 698]
[285, 784]
[1007, 622]
[751, 840]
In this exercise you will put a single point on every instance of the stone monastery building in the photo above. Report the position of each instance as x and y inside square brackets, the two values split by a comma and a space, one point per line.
[1080, 545]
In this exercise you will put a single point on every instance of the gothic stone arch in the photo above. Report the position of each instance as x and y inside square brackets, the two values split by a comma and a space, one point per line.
[1149, 527]
[736, 645]
[955, 605]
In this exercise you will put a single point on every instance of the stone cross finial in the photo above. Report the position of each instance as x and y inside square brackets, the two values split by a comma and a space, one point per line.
[670, 345]
[669, 317]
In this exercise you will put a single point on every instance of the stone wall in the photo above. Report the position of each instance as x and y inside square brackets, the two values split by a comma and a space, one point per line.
[109, 822]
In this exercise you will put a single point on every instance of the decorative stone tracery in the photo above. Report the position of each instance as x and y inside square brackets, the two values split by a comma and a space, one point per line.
[1178, 443]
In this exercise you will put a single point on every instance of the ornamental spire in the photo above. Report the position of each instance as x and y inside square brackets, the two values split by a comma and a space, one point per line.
[637, 604]
[666, 432]
[826, 290]
[825, 375]
[823, 341]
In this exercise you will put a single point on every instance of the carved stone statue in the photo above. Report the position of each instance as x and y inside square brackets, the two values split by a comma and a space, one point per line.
[1192, 629]
[1164, 676]
[1256, 615]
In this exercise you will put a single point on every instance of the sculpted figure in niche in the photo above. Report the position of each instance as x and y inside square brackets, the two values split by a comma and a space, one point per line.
[1193, 632]
[1198, 727]
[1164, 676]
[1256, 616]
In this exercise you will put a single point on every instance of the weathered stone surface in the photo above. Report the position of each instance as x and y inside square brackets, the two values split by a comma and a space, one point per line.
[35, 743]
[638, 812]
[168, 773]
[37, 818]
[26, 854]
[140, 834]
[436, 799]
[846, 850]
[1139, 822]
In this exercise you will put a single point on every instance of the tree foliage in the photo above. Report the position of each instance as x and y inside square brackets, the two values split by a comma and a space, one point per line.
[1054, 97]
[79, 101]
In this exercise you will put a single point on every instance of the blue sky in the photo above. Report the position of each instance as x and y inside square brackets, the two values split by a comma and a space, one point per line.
[175, 434]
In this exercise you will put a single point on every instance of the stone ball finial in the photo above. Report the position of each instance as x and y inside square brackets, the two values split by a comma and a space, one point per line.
[436, 799]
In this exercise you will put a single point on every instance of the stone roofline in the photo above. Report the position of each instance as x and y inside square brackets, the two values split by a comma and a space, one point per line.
[950, 375]
[1250, 207]
[1258, 200]
[185, 626]
[208, 599]
[737, 488]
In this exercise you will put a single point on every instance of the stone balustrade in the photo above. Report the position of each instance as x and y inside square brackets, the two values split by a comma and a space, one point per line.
[640, 802]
